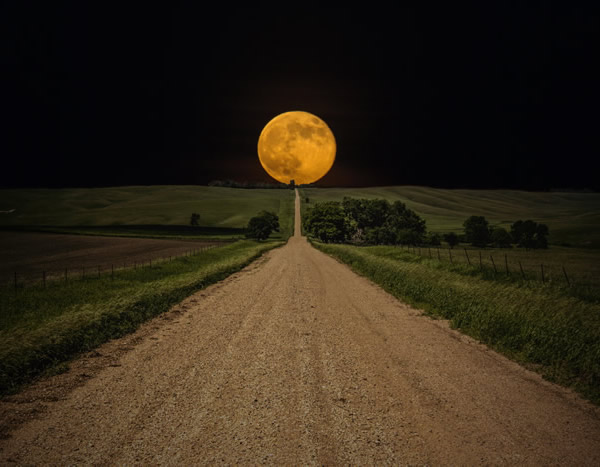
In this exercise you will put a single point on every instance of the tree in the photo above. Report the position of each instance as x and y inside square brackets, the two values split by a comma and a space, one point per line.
[407, 223]
[501, 238]
[477, 231]
[376, 221]
[195, 219]
[451, 239]
[366, 213]
[434, 239]
[259, 228]
[327, 222]
[272, 218]
[530, 234]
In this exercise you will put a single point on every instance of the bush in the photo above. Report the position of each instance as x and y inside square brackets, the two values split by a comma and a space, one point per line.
[195, 219]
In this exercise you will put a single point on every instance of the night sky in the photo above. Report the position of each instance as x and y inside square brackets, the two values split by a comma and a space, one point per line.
[487, 97]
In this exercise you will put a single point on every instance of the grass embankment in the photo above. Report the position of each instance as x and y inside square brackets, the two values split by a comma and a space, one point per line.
[573, 218]
[542, 325]
[42, 327]
[161, 211]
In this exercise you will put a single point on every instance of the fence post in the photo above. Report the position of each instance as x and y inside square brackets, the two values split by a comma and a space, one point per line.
[521, 268]
[493, 264]
[542, 268]
[566, 277]
[467, 255]
[506, 263]
[450, 255]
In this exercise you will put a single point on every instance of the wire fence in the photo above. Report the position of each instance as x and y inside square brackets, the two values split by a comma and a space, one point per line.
[44, 277]
[499, 264]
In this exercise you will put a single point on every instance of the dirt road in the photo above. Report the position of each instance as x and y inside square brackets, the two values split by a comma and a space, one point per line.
[297, 360]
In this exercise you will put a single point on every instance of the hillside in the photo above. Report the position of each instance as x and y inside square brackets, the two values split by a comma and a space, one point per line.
[156, 206]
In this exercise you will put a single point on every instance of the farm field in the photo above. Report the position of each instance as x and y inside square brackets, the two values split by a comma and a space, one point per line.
[144, 211]
[30, 254]
[573, 218]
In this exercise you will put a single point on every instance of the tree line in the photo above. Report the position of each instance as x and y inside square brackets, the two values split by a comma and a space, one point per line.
[379, 222]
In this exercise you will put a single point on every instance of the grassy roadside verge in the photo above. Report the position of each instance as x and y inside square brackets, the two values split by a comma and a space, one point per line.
[42, 328]
[535, 324]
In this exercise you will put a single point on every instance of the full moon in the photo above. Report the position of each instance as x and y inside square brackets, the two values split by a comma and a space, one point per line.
[296, 146]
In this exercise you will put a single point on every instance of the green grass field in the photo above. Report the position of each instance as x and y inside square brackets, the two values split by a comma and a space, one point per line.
[573, 218]
[42, 327]
[155, 211]
[547, 326]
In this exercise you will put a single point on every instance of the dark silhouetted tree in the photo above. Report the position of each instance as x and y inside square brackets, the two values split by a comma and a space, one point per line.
[195, 219]
[501, 238]
[451, 239]
[529, 234]
[434, 239]
[477, 231]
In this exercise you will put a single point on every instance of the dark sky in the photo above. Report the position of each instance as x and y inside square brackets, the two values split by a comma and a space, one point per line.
[493, 96]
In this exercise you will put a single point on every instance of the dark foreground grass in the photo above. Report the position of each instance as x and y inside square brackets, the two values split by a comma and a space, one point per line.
[539, 325]
[40, 328]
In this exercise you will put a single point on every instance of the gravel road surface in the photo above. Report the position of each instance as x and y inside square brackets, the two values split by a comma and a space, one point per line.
[297, 360]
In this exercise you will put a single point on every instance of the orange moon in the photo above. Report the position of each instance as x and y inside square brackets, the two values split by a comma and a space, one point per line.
[296, 146]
